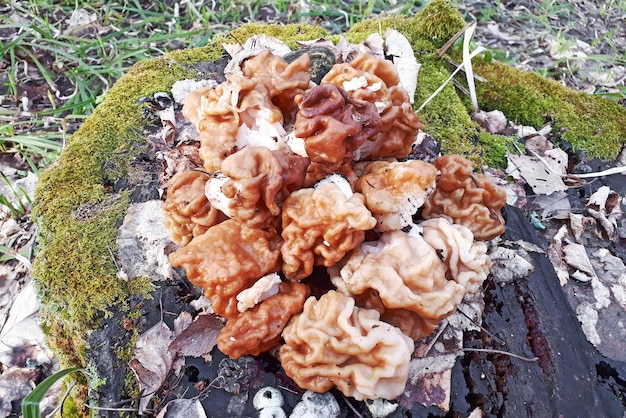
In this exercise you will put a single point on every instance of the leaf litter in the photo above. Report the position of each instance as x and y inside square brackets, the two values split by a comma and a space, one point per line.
[160, 351]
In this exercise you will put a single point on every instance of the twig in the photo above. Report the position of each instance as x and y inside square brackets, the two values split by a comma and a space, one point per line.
[607, 172]
[104, 408]
[452, 40]
[506, 353]
[476, 76]
[356, 413]
[492, 335]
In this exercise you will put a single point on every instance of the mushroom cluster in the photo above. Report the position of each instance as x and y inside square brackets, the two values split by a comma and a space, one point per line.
[301, 182]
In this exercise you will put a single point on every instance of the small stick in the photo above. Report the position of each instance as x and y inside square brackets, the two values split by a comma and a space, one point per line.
[506, 353]
[492, 335]
[452, 40]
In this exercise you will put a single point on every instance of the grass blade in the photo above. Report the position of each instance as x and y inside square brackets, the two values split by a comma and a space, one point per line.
[30, 404]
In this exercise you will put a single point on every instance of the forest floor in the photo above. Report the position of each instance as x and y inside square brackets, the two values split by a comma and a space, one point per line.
[53, 74]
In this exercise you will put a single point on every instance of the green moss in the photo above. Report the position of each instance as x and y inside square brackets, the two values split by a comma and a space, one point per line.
[495, 147]
[78, 215]
[288, 34]
[360, 31]
[446, 117]
[590, 123]
[437, 22]
[434, 25]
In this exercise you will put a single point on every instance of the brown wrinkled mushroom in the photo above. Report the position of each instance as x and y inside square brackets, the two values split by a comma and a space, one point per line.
[333, 125]
[366, 77]
[283, 80]
[317, 171]
[381, 68]
[236, 113]
[257, 182]
[214, 113]
[226, 259]
[376, 80]
[409, 322]
[466, 261]
[400, 128]
[188, 212]
[405, 271]
[466, 198]
[259, 329]
[321, 225]
[427, 273]
[333, 343]
[395, 191]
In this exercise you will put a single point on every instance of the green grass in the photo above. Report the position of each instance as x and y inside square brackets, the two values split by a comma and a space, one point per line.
[77, 66]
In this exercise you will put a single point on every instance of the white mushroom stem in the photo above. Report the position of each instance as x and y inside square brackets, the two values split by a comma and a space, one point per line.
[339, 181]
[265, 287]
[213, 192]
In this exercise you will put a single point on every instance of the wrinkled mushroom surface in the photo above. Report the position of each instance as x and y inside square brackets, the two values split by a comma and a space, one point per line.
[226, 259]
[334, 343]
[395, 191]
[258, 181]
[283, 80]
[333, 125]
[320, 226]
[406, 272]
[188, 213]
[302, 172]
[466, 198]
[259, 329]
[375, 80]
[465, 260]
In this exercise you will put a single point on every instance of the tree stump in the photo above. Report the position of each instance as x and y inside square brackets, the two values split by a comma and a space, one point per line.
[96, 301]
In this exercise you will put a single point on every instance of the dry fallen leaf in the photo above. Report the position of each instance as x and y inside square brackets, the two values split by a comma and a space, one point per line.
[430, 371]
[199, 338]
[508, 264]
[141, 242]
[536, 172]
[555, 255]
[153, 361]
[402, 56]
[493, 122]
[555, 205]
[252, 47]
[15, 384]
[576, 257]
[605, 206]
[21, 339]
